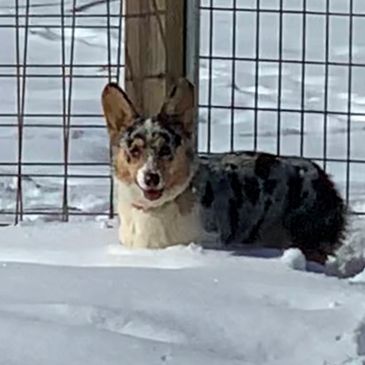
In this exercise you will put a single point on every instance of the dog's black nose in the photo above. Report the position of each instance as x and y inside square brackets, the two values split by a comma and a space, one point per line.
[152, 179]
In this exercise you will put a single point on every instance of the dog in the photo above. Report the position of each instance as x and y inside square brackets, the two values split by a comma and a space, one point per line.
[168, 195]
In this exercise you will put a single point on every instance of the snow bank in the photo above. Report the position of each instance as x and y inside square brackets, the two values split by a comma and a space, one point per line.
[70, 294]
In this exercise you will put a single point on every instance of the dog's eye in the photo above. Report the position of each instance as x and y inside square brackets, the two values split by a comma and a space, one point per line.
[135, 152]
[165, 151]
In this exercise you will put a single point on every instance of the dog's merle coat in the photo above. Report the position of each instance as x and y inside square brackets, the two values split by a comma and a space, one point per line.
[248, 196]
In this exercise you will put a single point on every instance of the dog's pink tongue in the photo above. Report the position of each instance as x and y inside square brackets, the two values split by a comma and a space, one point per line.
[152, 194]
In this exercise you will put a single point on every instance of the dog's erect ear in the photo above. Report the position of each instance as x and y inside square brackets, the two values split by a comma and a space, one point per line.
[119, 111]
[180, 105]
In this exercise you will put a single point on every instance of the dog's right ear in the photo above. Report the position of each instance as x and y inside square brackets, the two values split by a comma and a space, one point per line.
[119, 111]
[179, 105]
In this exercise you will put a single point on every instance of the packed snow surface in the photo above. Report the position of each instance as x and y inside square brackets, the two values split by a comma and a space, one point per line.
[71, 294]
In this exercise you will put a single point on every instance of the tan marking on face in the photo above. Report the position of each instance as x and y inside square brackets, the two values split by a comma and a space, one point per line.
[136, 150]
[159, 141]
[176, 171]
[126, 167]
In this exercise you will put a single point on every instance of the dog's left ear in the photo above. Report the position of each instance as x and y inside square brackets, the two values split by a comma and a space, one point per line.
[118, 110]
[180, 105]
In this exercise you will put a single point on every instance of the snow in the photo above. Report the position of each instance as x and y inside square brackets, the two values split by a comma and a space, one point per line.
[295, 259]
[69, 293]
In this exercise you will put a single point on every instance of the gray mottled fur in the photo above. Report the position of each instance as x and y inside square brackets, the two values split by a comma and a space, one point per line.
[257, 197]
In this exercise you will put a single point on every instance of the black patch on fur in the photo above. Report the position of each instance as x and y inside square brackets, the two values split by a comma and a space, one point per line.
[232, 166]
[175, 133]
[170, 132]
[330, 206]
[236, 187]
[127, 157]
[173, 127]
[252, 237]
[256, 227]
[165, 135]
[173, 92]
[233, 218]
[208, 196]
[324, 188]
[270, 185]
[252, 189]
[190, 154]
[317, 226]
[248, 153]
[263, 165]
[268, 204]
[177, 140]
[295, 186]
[129, 136]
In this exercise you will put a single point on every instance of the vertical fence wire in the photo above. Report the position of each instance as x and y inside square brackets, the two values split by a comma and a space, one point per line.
[349, 99]
[19, 199]
[280, 77]
[119, 46]
[67, 108]
[210, 77]
[257, 76]
[21, 93]
[109, 61]
[326, 83]
[64, 106]
[108, 37]
[233, 73]
[303, 74]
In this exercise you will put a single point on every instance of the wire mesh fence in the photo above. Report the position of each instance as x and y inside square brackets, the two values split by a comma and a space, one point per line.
[53, 144]
[286, 77]
[282, 76]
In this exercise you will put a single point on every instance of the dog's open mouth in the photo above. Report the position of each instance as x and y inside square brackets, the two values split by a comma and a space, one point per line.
[152, 194]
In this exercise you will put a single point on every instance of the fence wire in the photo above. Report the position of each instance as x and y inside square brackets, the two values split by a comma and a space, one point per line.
[58, 57]
[282, 76]
[286, 77]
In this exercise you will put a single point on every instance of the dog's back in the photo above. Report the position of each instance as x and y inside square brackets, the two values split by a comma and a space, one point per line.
[257, 197]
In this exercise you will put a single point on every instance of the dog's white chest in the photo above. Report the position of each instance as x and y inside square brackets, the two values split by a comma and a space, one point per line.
[158, 228]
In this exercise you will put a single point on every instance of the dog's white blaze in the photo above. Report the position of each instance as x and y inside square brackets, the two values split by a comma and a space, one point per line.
[149, 127]
[148, 167]
[141, 173]
[148, 124]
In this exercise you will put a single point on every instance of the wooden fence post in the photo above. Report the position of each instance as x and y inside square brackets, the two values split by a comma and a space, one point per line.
[154, 50]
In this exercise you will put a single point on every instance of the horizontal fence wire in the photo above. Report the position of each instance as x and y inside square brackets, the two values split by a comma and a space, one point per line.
[54, 151]
[276, 76]
[286, 78]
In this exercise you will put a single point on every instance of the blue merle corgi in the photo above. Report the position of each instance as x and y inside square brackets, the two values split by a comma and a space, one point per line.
[168, 195]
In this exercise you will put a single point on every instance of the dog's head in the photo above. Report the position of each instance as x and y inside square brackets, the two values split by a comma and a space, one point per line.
[152, 156]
